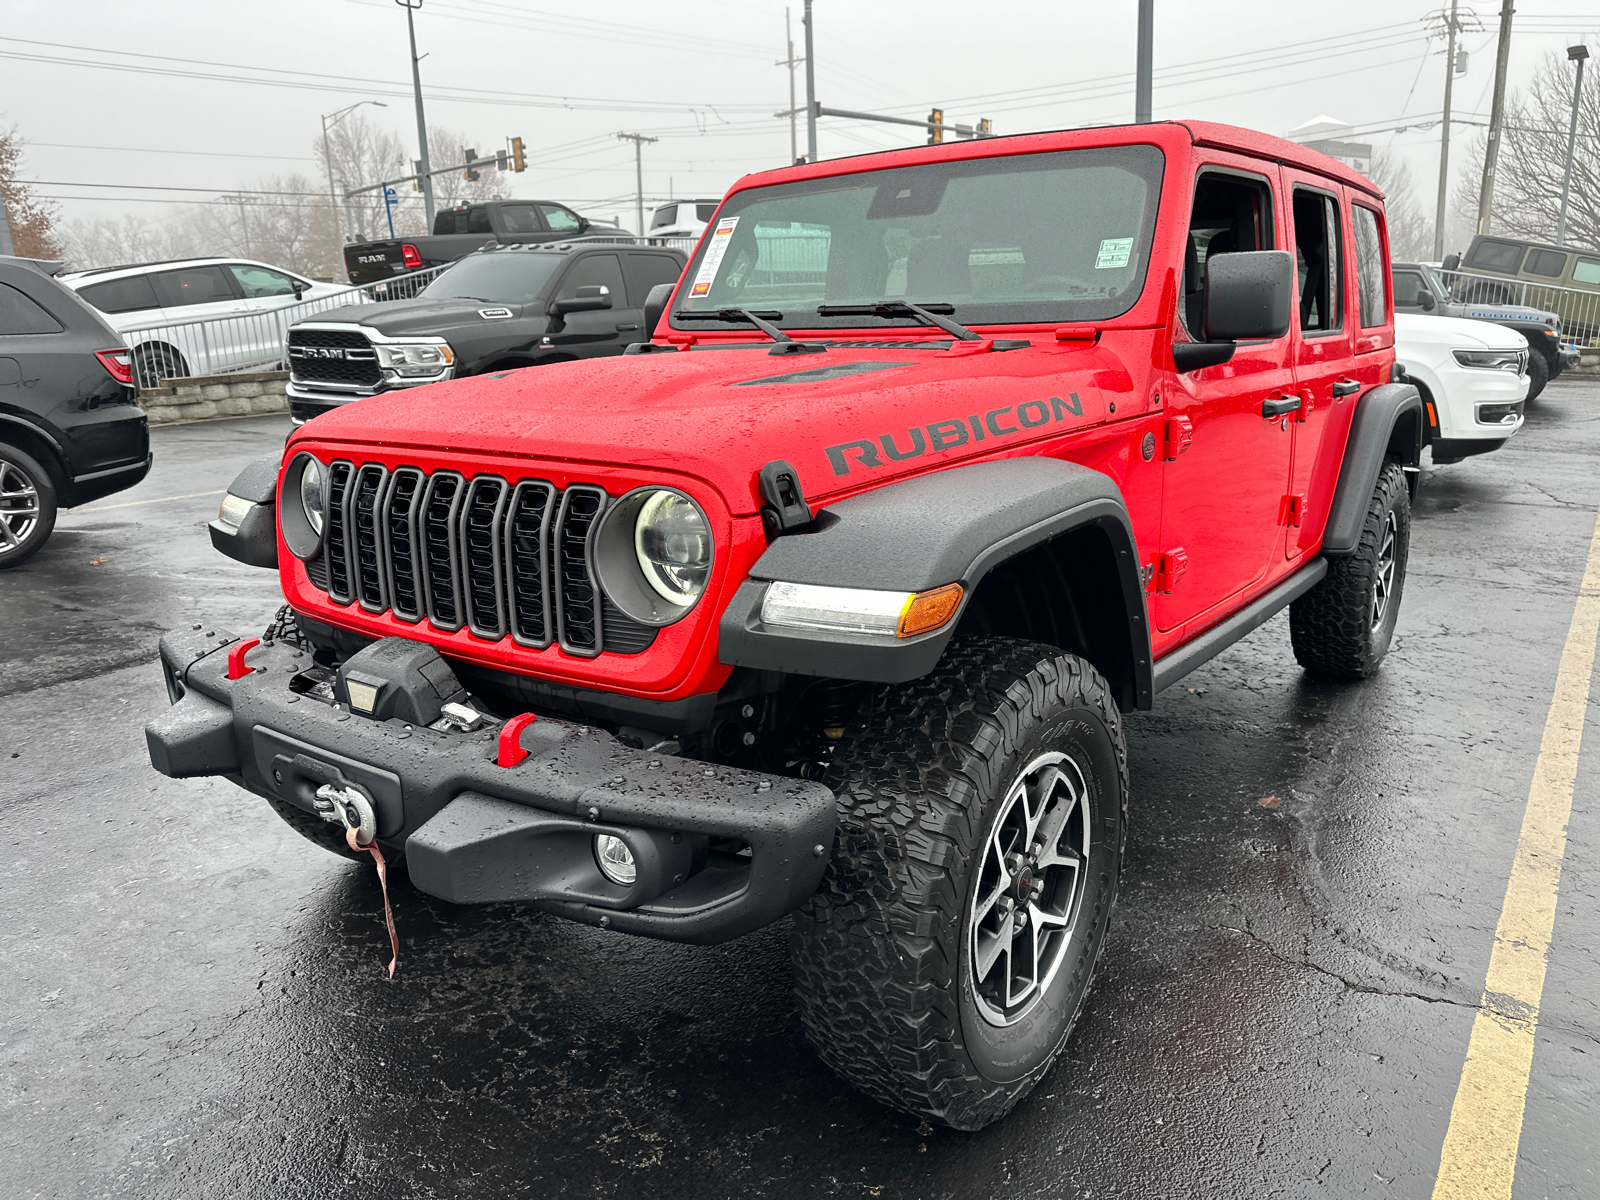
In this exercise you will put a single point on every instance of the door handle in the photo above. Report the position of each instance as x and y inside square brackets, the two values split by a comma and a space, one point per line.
[1345, 387]
[1277, 406]
[626, 328]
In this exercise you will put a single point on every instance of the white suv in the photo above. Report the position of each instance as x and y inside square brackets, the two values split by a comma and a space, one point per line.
[1473, 376]
[199, 316]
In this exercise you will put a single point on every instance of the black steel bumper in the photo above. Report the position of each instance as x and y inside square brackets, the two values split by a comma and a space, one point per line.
[475, 832]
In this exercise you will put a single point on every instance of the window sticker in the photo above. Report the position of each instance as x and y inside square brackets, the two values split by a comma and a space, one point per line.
[1114, 252]
[712, 262]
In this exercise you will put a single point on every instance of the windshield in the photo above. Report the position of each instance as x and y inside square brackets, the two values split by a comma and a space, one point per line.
[500, 277]
[1023, 238]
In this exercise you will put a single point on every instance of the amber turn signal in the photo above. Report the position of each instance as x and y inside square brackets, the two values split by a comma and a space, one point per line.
[929, 610]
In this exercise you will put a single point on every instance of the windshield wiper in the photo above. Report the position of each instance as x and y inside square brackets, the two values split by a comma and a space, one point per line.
[902, 308]
[740, 314]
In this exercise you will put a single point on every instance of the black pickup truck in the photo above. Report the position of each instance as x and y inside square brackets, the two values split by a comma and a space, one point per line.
[459, 231]
[495, 310]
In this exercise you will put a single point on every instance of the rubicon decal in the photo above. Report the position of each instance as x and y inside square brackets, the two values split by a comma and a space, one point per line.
[957, 431]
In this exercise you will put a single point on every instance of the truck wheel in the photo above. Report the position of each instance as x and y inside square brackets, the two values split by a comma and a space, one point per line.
[1342, 627]
[27, 507]
[314, 829]
[1538, 373]
[945, 957]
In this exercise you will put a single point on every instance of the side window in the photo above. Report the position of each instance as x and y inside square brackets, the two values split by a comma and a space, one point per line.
[20, 315]
[1494, 255]
[1586, 270]
[1409, 288]
[665, 215]
[1549, 263]
[1316, 247]
[703, 212]
[1231, 213]
[478, 220]
[1369, 266]
[561, 220]
[519, 218]
[647, 270]
[602, 269]
[133, 294]
[192, 285]
[257, 281]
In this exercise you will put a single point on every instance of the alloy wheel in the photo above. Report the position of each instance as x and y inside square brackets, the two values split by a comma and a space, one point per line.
[19, 505]
[1383, 577]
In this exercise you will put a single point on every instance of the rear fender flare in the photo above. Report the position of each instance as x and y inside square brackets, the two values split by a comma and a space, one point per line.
[950, 526]
[1389, 425]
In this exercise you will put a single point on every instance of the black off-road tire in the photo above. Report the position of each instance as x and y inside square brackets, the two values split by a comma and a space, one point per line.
[326, 834]
[881, 951]
[1538, 373]
[27, 487]
[1331, 627]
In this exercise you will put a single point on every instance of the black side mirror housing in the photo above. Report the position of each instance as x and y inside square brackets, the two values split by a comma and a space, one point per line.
[1249, 295]
[591, 298]
[655, 306]
[1452, 262]
[1425, 302]
[301, 287]
[584, 224]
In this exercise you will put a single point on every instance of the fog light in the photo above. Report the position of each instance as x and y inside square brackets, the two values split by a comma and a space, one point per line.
[615, 859]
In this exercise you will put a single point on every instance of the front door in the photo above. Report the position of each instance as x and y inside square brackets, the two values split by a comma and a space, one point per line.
[1227, 459]
[600, 331]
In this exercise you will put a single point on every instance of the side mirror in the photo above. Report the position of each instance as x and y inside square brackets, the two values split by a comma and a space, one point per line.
[1249, 295]
[655, 306]
[584, 224]
[301, 287]
[1452, 262]
[1425, 301]
[591, 298]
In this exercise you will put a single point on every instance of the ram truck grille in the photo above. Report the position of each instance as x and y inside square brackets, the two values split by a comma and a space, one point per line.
[333, 356]
[498, 558]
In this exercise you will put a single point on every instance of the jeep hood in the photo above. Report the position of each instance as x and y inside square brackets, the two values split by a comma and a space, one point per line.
[844, 419]
[397, 318]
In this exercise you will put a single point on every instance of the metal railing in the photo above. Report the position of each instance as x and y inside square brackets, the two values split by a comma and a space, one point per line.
[247, 341]
[1578, 309]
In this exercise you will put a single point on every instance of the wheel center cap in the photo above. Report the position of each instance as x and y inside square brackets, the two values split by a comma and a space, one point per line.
[1023, 885]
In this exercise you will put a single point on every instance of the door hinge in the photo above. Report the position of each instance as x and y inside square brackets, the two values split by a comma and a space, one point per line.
[1292, 511]
[1163, 574]
[1175, 437]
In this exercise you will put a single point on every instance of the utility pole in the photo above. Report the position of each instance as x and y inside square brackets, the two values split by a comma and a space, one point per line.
[327, 157]
[811, 89]
[794, 113]
[5, 227]
[1444, 136]
[244, 225]
[638, 140]
[1497, 112]
[422, 125]
[1144, 62]
[1574, 54]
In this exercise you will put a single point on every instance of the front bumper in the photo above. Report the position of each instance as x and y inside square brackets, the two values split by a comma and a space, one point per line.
[308, 400]
[475, 832]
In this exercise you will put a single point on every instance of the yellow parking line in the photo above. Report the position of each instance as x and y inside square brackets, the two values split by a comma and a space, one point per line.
[1480, 1147]
[137, 503]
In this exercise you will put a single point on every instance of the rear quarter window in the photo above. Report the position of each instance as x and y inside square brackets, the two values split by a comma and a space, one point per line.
[1496, 256]
[1369, 266]
[133, 294]
[1586, 270]
[20, 315]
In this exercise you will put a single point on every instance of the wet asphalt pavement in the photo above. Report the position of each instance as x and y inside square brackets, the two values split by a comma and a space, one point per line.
[192, 998]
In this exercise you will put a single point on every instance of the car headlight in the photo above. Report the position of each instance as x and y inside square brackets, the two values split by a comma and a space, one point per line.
[414, 359]
[653, 553]
[1492, 360]
[311, 493]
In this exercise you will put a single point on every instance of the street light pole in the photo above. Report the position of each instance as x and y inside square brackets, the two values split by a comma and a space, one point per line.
[1144, 63]
[638, 140]
[1574, 54]
[327, 155]
[811, 89]
[422, 125]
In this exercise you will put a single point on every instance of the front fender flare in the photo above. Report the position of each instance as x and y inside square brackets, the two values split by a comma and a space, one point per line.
[1388, 421]
[949, 526]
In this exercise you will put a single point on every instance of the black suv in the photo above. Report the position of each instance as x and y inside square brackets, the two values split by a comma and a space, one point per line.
[501, 308]
[71, 429]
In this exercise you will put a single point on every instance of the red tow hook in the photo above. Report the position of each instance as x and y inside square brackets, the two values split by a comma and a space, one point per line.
[511, 751]
[236, 667]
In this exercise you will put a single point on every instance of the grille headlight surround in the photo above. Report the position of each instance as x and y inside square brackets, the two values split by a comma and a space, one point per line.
[1514, 361]
[653, 554]
[303, 504]
[408, 360]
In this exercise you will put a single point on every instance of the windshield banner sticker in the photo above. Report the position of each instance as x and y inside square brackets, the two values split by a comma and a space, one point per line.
[712, 262]
[945, 435]
[1114, 252]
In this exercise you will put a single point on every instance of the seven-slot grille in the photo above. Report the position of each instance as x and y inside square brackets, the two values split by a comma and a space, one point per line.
[333, 356]
[497, 558]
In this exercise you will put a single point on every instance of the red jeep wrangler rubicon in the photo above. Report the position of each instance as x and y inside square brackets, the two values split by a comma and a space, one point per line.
[828, 600]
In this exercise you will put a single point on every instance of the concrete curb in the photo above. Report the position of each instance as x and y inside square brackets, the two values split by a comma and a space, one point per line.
[208, 397]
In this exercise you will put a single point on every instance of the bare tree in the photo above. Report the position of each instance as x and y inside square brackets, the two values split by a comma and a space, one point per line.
[32, 221]
[1410, 234]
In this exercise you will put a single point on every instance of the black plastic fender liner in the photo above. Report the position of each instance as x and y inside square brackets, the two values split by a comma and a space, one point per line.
[946, 527]
[1378, 412]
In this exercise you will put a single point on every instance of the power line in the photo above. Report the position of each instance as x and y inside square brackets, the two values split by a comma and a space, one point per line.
[153, 150]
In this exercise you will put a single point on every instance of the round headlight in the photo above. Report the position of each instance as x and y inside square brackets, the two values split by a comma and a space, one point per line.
[311, 493]
[673, 544]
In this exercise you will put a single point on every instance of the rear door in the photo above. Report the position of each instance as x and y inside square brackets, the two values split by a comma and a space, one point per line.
[603, 331]
[1226, 462]
[198, 296]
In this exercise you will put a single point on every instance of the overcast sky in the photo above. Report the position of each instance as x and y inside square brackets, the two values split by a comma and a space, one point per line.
[698, 74]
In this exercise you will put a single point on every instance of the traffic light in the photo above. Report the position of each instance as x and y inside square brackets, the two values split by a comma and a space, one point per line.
[416, 173]
[936, 127]
[469, 174]
[516, 155]
[986, 128]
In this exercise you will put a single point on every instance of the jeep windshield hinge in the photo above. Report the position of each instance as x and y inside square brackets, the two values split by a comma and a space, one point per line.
[784, 508]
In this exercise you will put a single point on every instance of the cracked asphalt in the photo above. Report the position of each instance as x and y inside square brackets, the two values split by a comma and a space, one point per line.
[192, 999]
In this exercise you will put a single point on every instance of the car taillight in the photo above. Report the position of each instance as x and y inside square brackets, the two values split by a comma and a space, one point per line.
[118, 362]
[409, 255]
